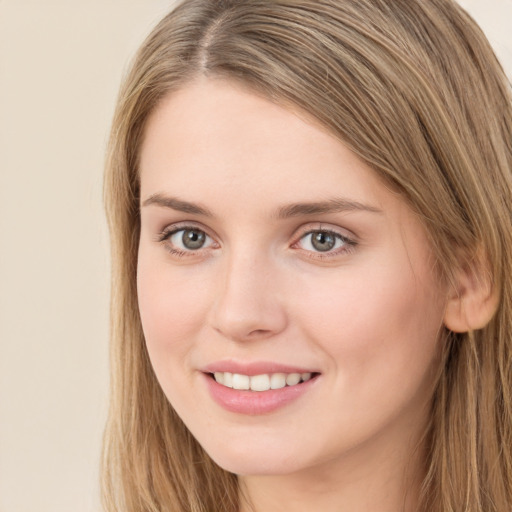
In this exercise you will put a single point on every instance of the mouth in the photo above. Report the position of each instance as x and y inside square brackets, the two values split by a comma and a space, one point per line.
[258, 387]
[262, 382]
[248, 390]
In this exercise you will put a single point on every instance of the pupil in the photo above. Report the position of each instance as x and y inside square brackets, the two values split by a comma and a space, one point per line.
[193, 239]
[323, 241]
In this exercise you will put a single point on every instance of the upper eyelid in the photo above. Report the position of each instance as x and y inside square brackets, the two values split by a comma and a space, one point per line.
[347, 240]
[328, 228]
[184, 225]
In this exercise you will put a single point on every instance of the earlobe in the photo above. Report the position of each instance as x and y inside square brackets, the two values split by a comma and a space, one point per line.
[472, 301]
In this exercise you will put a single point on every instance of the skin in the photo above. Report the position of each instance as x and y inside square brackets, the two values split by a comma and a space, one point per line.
[365, 315]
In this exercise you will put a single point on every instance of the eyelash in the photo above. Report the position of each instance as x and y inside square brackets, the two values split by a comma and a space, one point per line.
[348, 246]
[167, 233]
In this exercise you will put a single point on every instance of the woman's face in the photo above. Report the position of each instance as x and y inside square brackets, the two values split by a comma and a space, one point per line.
[271, 256]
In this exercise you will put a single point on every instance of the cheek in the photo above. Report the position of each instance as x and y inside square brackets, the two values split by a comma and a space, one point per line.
[379, 327]
[171, 310]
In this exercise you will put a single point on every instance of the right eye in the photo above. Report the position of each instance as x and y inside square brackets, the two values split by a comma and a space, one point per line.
[185, 240]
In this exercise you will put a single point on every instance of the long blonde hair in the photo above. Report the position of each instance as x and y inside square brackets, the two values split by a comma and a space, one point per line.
[414, 89]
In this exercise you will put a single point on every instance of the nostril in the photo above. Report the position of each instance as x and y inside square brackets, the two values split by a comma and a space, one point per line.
[258, 332]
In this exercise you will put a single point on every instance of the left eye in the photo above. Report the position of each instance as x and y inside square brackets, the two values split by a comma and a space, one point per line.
[190, 239]
[322, 241]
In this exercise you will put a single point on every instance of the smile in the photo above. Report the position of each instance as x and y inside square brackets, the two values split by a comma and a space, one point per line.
[263, 382]
[258, 393]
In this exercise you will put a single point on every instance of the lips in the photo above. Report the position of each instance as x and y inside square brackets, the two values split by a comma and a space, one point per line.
[257, 388]
[255, 368]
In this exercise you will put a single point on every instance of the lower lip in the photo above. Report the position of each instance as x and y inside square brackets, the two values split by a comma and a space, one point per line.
[256, 402]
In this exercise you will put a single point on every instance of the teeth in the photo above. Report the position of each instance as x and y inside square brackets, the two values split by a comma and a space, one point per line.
[262, 382]
[241, 381]
[292, 379]
[278, 381]
[228, 380]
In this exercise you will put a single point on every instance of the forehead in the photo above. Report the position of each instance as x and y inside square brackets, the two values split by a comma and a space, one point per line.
[219, 133]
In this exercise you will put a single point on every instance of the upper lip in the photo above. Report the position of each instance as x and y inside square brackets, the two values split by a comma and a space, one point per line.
[254, 368]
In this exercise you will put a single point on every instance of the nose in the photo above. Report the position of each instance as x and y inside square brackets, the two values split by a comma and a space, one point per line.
[249, 304]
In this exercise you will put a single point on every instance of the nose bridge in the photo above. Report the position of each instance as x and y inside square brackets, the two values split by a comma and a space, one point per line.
[248, 303]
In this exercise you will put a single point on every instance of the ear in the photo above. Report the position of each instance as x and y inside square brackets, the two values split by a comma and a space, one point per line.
[472, 300]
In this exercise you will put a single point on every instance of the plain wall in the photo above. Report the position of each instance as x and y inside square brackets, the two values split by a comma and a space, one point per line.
[61, 63]
[60, 67]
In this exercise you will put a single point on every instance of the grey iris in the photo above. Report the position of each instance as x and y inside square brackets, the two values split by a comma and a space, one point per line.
[193, 239]
[323, 241]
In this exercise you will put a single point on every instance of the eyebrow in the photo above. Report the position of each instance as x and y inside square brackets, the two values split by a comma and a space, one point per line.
[177, 204]
[334, 205]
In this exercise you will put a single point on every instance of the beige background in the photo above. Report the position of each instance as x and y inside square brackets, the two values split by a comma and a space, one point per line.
[60, 66]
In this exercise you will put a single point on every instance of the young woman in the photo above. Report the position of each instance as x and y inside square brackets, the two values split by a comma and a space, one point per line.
[310, 209]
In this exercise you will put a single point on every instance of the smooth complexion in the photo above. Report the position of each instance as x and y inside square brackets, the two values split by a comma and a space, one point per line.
[249, 184]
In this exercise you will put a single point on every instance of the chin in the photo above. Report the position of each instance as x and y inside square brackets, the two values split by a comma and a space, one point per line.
[255, 461]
